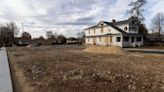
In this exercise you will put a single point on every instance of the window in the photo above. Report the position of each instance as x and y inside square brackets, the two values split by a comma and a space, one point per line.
[132, 28]
[94, 31]
[102, 29]
[132, 39]
[125, 28]
[126, 39]
[88, 39]
[133, 22]
[139, 39]
[88, 31]
[118, 39]
[100, 39]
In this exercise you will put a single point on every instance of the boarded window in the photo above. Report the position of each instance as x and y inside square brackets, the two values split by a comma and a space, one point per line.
[110, 39]
[100, 39]
[102, 29]
[118, 39]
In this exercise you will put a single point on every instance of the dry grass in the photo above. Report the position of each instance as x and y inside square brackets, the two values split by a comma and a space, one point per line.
[70, 69]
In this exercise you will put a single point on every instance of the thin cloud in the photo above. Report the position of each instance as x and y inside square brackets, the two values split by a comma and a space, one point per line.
[68, 16]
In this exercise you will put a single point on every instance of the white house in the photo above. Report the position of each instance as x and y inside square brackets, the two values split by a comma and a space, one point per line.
[119, 33]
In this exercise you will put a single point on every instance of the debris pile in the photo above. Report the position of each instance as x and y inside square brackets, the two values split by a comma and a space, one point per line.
[105, 49]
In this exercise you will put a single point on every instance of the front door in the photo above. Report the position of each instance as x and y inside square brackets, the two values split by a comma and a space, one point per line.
[132, 40]
[110, 39]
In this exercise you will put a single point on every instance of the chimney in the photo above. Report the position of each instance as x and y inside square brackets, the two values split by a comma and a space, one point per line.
[113, 21]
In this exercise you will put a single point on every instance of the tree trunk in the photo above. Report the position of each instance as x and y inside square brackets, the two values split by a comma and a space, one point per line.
[159, 33]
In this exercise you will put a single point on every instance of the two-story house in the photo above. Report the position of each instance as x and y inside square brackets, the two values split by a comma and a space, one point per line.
[119, 33]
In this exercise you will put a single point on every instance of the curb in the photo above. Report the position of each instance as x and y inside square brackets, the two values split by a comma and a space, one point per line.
[11, 77]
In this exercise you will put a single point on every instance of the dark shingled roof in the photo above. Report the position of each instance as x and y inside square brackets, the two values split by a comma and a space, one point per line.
[118, 29]
[110, 24]
[116, 23]
[124, 21]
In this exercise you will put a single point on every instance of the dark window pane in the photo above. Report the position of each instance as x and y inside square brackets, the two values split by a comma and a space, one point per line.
[126, 39]
[138, 39]
[132, 39]
[133, 22]
[125, 28]
[118, 39]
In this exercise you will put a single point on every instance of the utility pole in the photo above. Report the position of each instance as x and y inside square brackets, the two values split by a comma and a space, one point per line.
[22, 27]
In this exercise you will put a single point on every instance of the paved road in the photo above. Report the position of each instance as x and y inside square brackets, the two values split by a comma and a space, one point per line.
[5, 78]
[145, 50]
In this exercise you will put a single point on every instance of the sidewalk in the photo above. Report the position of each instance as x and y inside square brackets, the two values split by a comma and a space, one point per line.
[5, 78]
[145, 50]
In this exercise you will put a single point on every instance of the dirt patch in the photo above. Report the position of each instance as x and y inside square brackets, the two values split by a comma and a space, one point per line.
[105, 49]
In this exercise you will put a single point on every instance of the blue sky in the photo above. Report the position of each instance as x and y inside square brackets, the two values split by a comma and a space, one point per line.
[68, 16]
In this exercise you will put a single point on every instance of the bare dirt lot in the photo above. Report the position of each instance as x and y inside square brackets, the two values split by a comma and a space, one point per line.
[70, 69]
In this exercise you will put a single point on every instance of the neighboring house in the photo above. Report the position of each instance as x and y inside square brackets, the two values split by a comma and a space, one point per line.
[73, 41]
[119, 33]
[44, 41]
[22, 42]
[154, 38]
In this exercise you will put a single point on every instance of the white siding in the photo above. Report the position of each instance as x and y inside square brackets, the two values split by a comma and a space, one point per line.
[128, 26]
[123, 26]
[114, 40]
[89, 41]
[106, 30]
[95, 34]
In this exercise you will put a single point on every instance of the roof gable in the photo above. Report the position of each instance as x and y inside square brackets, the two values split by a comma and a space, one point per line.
[113, 25]
[126, 21]
[101, 23]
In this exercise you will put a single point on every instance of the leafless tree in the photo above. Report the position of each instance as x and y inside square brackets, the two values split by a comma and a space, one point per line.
[136, 10]
[12, 26]
[26, 35]
[81, 36]
[41, 37]
[55, 35]
[7, 33]
[158, 23]
[61, 39]
[51, 35]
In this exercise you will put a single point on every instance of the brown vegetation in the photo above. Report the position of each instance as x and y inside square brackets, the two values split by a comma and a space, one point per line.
[70, 69]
